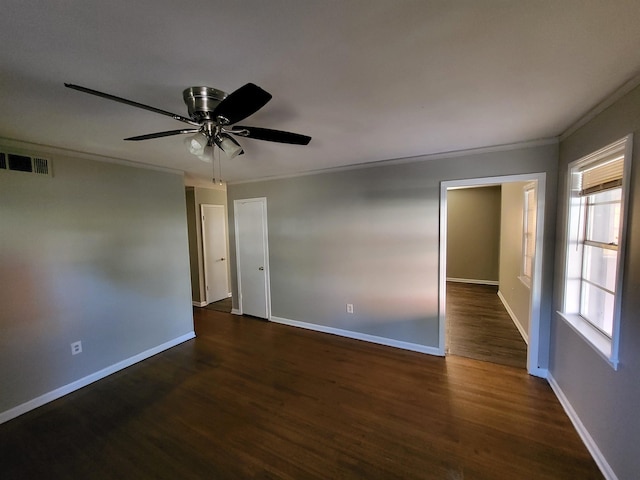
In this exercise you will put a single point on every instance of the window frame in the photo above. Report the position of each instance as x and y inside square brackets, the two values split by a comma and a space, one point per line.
[524, 278]
[607, 347]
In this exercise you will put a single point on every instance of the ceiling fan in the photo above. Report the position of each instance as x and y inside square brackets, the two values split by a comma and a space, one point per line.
[213, 115]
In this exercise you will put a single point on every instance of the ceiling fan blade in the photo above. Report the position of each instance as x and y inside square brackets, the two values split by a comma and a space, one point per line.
[272, 135]
[175, 116]
[164, 134]
[245, 101]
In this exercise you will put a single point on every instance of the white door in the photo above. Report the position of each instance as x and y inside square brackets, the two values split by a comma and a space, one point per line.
[252, 256]
[214, 247]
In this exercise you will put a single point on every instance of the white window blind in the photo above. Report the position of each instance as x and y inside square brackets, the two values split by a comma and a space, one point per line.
[606, 174]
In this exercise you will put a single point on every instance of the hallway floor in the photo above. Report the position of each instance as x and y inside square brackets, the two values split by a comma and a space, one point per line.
[479, 327]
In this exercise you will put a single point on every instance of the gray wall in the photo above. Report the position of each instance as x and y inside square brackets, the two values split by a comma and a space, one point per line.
[473, 233]
[370, 237]
[197, 196]
[98, 253]
[515, 293]
[605, 400]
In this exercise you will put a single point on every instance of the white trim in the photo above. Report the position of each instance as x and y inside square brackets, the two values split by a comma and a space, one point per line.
[442, 274]
[94, 377]
[514, 318]
[526, 281]
[533, 352]
[415, 347]
[587, 439]
[265, 240]
[402, 161]
[473, 280]
[602, 106]
[237, 311]
[607, 348]
[199, 304]
[212, 207]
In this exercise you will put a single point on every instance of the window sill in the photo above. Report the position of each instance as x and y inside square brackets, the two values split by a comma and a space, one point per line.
[526, 281]
[594, 338]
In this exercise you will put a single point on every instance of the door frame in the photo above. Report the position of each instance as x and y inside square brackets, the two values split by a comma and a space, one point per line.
[265, 242]
[204, 246]
[533, 348]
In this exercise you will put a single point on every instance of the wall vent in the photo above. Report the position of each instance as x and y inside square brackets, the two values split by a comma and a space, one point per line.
[40, 165]
[25, 163]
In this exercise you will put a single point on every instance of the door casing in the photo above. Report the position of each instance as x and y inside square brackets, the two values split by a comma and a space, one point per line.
[241, 262]
[214, 252]
[533, 350]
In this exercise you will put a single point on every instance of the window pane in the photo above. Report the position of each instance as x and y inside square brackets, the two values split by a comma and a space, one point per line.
[528, 266]
[603, 216]
[597, 307]
[600, 266]
[528, 231]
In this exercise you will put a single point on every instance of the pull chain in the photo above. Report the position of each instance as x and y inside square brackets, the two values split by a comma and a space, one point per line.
[213, 165]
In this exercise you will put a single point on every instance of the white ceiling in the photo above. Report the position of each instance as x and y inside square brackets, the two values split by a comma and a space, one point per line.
[369, 80]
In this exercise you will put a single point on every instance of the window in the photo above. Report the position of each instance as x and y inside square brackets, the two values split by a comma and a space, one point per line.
[594, 246]
[528, 232]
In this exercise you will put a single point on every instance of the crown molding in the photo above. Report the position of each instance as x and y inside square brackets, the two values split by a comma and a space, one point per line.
[20, 146]
[609, 100]
[415, 159]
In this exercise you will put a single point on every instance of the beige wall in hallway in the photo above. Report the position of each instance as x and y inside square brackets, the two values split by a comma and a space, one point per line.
[515, 294]
[473, 233]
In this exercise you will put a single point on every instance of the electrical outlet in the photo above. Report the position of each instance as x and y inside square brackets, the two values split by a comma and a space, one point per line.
[349, 307]
[76, 348]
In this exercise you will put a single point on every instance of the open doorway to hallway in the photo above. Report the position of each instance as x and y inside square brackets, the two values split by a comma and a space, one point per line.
[490, 251]
[479, 247]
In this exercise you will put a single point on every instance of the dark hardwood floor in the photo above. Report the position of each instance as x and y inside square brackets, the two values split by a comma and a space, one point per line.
[224, 305]
[253, 399]
[479, 327]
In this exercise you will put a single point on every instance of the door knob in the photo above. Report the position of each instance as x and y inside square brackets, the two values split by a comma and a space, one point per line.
[261, 268]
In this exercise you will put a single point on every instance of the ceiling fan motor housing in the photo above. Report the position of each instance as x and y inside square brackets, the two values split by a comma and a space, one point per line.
[201, 101]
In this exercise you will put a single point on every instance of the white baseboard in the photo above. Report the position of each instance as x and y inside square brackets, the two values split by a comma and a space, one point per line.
[473, 280]
[415, 347]
[204, 304]
[94, 377]
[235, 311]
[588, 441]
[516, 322]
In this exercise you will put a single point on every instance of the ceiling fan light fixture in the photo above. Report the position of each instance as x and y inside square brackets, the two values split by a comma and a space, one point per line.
[196, 144]
[207, 154]
[228, 145]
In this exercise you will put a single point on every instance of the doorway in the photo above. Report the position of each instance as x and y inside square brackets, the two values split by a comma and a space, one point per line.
[214, 249]
[533, 332]
[252, 257]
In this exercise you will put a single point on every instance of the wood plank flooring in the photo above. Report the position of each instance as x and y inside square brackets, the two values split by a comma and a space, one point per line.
[224, 305]
[253, 399]
[479, 327]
